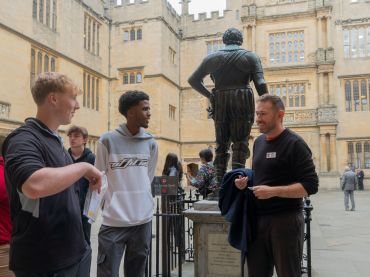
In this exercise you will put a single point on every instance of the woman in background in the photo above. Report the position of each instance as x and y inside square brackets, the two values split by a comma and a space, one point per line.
[173, 167]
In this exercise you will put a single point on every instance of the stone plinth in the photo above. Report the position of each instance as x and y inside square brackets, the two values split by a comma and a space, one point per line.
[213, 256]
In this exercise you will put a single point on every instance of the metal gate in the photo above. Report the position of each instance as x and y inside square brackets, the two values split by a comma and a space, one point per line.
[173, 242]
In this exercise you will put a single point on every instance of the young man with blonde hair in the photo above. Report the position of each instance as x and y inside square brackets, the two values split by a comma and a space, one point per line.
[47, 237]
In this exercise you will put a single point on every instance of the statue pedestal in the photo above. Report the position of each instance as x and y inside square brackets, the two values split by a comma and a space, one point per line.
[213, 256]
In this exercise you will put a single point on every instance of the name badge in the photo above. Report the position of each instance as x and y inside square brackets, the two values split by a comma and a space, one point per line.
[270, 155]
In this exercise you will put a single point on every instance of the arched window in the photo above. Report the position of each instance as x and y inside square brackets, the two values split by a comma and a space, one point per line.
[367, 154]
[139, 78]
[54, 21]
[33, 66]
[41, 11]
[356, 95]
[34, 9]
[92, 92]
[125, 36]
[52, 65]
[125, 78]
[88, 91]
[93, 37]
[89, 34]
[296, 95]
[368, 86]
[46, 63]
[272, 89]
[47, 13]
[290, 96]
[346, 43]
[39, 63]
[350, 154]
[277, 91]
[364, 101]
[283, 95]
[358, 154]
[97, 95]
[347, 88]
[84, 88]
[302, 93]
[132, 78]
[139, 34]
[132, 34]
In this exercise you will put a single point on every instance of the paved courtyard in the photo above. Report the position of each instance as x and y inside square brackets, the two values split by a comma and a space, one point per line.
[340, 239]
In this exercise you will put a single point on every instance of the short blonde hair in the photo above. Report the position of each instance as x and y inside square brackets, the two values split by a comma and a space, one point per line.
[50, 82]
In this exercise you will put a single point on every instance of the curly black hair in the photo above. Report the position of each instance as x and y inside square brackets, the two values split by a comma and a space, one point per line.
[130, 99]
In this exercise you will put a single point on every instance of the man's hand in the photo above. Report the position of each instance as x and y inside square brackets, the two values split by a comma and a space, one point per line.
[95, 178]
[264, 192]
[241, 182]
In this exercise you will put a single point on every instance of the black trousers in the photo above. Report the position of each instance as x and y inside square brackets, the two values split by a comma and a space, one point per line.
[279, 243]
[234, 117]
[80, 269]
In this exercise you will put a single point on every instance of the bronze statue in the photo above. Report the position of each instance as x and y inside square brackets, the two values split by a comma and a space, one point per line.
[232, 101]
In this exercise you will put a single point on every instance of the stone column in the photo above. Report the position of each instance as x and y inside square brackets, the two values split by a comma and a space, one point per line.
[253, 37]
[333, 152]
[321, 89]
[328, 32]
[245, 36]
[323, 156]
[331, 88]
[319, 33]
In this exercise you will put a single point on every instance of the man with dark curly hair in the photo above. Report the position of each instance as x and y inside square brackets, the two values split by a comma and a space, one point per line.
[231, 69]
[128, 155]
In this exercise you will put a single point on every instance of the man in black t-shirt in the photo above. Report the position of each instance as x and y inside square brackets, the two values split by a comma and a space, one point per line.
[47, 237]
[284, 173]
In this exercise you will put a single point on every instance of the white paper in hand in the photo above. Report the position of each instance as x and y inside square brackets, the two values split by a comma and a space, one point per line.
[94, 201]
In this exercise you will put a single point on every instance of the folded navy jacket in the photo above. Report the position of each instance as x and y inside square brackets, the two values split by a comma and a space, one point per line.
[237, 207]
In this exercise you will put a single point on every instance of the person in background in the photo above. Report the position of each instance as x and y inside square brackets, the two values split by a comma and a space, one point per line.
[205, 180]
[360, 177]
[80, 153]
[5, 226]
[173, 167]
[349, 184]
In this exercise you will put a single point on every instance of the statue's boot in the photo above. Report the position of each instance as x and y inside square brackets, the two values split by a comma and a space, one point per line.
[220, 163]
[240, 154]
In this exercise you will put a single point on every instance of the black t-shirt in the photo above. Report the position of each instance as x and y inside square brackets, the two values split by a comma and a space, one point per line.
[47, 232]
[283, 161]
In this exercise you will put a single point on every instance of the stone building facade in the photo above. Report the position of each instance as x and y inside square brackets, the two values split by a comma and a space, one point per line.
[315, 54]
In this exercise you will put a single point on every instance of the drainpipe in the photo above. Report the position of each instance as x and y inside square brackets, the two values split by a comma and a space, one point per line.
[109, 75]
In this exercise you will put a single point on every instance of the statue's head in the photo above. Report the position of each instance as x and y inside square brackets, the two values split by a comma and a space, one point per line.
[232, 36]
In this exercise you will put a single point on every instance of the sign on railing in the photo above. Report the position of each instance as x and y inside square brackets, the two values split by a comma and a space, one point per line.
[164, 185]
